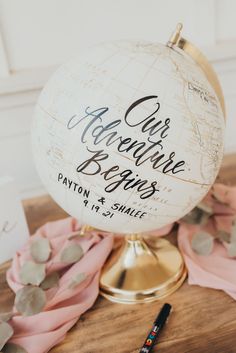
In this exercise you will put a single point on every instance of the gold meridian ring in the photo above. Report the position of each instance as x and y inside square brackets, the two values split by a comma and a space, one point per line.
[177, 41]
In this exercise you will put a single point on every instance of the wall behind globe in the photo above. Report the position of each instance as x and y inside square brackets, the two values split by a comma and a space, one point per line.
[37, 36]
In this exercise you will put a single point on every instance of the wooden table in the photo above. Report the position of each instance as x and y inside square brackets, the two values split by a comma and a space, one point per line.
[204, 320]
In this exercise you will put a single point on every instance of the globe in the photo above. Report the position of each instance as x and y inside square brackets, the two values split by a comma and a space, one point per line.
[128, 136]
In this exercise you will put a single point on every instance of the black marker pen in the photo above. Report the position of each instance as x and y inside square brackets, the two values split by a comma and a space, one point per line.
[156, 328]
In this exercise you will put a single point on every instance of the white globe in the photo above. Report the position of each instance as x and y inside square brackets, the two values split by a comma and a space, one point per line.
[129, 136]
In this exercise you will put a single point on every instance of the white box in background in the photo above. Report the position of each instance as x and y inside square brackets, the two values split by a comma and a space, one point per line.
[13, 227]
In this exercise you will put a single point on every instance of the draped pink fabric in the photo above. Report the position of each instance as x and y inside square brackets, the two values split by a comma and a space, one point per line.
[216, 270]
[39, 333]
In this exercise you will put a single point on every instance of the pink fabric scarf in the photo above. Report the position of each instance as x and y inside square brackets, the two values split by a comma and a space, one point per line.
[40, 332]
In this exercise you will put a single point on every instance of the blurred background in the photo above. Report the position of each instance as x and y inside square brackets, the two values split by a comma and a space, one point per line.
[38, 35]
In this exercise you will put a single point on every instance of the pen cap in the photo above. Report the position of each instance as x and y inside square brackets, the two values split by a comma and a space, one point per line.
[163, 315]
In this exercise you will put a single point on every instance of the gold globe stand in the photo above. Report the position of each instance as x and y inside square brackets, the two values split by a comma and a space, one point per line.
[139, 272]
[143, 270]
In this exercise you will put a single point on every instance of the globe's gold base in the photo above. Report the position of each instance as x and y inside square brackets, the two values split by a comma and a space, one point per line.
[142, 271]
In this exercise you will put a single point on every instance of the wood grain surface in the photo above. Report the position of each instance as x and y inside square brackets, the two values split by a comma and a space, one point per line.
[203, 320]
